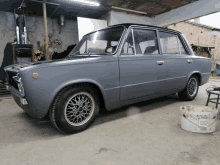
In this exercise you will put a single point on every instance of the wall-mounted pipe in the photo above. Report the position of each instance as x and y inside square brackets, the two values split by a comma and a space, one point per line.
[46, 2]
[21, 27]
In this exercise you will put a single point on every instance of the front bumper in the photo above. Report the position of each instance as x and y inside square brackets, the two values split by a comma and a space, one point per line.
[17, 97]
[24, 104]
[36, 103]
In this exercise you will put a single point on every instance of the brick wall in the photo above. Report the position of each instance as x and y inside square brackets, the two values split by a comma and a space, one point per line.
[200, 36]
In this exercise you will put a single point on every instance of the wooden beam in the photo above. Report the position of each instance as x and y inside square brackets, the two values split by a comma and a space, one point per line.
[157, 5]
[106, 5]
[129, 10]
[46, 30]
[190, 1]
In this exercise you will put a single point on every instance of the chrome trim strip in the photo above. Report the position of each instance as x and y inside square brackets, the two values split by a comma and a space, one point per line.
[178, 44]
[11, 70]
[14, 91]
[132, 30]
[144, 83]
[111, 88]
[206, 73]
[153, 81]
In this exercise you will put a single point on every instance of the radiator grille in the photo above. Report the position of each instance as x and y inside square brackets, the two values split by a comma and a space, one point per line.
[11, 81]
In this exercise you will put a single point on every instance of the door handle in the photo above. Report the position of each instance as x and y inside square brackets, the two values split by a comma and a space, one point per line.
[160, 62]
[189, 61]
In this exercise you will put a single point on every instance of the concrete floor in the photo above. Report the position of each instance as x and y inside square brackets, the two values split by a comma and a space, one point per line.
[147, 133]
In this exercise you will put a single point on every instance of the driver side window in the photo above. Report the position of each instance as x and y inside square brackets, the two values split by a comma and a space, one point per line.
[128, 48]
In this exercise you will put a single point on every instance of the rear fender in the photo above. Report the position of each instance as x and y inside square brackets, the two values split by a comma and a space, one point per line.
[198, 73]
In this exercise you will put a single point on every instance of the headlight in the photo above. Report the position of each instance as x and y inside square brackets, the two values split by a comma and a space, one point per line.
[21, 89]
[17, 78]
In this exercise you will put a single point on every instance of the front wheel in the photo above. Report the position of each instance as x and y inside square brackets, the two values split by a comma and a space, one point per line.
[191, 89]
[75, 109]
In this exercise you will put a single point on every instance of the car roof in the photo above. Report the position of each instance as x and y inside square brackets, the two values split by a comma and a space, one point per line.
[127, 25]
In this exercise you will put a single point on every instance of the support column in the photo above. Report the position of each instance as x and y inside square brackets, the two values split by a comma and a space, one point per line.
[46, 46]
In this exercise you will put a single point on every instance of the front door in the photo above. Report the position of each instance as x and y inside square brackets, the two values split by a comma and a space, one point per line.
[141, 65]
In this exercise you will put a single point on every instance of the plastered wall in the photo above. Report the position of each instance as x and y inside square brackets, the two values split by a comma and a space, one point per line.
[35, 28]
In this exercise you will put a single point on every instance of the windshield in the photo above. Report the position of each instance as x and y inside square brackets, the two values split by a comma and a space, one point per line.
[101, 42]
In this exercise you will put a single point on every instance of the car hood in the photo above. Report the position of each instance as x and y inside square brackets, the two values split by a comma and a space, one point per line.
[68, 60]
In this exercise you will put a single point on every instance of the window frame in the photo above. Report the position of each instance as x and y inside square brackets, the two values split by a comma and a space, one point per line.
[124, 40]
[132, 33]
[179, 41]
[131, 29]
[119, 42]
[181, 37]
[178, 35]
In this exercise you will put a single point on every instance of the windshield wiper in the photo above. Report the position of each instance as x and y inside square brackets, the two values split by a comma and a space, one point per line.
[74, 54]
[87, 53]
[70, 56]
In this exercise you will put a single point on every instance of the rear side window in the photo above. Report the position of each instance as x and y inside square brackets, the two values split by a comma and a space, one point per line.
[171, 44]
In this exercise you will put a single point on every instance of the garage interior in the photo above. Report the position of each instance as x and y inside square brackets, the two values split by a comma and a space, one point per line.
[143, 133]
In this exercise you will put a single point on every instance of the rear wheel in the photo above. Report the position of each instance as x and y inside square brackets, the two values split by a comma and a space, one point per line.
[74, 109]
[191, 89]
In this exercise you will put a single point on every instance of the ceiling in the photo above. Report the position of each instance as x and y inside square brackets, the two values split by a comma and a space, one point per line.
[151, 7]
[71, 9]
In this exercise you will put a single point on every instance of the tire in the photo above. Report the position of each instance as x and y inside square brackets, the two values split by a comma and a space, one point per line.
[190, 91]
[70, 113]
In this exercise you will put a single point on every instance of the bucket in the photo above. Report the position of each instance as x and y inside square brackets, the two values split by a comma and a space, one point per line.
[200, 119]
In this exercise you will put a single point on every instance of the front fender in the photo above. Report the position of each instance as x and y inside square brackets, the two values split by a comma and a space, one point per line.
[40, 92]
[77, 81]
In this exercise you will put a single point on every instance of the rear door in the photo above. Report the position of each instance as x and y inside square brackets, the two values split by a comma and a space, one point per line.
[177, 60]
[141, 65]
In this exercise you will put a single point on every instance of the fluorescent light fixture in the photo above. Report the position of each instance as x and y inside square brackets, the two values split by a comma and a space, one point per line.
[90, 3]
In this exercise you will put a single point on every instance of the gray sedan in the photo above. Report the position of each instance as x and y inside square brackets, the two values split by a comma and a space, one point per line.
[109, 68]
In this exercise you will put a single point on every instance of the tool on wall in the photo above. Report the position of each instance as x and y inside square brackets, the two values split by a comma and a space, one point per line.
[21, 30]
[40, 53]
[22, 49]
[20, 24]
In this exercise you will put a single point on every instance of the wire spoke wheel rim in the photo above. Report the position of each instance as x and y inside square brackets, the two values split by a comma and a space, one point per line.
[79, 109]
[192, 87]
